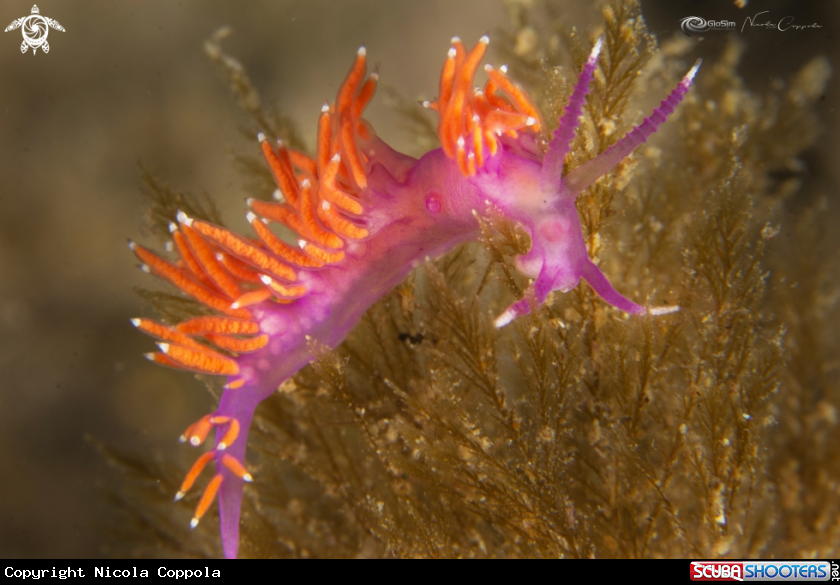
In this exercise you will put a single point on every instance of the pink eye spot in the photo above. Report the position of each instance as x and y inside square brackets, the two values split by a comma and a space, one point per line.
[247, 374]
[554, 230]
[434, 203]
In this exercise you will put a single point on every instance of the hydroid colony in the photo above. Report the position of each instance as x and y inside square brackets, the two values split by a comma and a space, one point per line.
[576, 433]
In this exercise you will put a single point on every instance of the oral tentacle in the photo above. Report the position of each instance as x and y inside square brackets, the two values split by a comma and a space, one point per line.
[559, 273]
[599, 283]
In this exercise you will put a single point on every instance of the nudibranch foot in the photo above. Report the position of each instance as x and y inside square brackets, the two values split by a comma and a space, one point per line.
[364, 215]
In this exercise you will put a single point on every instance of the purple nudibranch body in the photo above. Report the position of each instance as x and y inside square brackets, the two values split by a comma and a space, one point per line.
[366, 216]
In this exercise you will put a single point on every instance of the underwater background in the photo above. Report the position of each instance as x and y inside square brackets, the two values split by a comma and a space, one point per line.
[631, 469]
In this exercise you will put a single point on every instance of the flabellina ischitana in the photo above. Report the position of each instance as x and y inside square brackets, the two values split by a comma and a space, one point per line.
[365, 216]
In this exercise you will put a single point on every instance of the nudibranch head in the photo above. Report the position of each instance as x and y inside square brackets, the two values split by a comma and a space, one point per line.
[492, 134]
[364, 215]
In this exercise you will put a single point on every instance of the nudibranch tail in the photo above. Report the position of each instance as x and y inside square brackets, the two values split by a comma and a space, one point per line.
[363, 215]
[245, 278]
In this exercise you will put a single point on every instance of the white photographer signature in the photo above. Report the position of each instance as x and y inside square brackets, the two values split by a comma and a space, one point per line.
[784, 24]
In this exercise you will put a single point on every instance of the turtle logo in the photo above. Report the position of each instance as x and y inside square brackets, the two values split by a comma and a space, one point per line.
[35, 29]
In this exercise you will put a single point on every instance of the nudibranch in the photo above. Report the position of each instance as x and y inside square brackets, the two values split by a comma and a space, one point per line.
[365, 216]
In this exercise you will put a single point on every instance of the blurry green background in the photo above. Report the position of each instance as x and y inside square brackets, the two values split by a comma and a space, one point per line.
[129, 82]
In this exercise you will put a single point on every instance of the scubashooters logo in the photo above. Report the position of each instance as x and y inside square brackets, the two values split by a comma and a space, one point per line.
[35, 29]
[761, 571]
